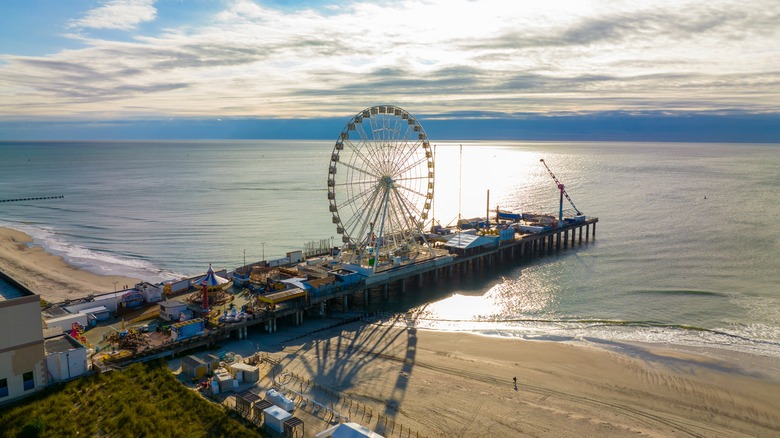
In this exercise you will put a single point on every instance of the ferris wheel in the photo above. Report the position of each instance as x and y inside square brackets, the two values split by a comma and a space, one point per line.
[380, 187]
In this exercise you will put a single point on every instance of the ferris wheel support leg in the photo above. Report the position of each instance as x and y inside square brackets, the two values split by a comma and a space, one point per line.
[381, 230]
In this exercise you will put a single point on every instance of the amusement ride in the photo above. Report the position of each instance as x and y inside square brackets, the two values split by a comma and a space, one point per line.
[380, 188]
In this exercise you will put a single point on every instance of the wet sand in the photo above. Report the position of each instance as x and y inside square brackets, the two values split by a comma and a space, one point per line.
[49, 275]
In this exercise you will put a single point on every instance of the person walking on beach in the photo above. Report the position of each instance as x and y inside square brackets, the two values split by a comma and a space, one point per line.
[515, 379]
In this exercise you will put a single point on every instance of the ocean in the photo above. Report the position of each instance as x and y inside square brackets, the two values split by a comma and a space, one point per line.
[686, 248]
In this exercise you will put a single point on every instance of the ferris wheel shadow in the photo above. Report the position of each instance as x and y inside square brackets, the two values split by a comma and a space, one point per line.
[360, 358]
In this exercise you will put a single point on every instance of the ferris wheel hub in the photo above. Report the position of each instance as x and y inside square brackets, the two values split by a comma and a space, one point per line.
[386, 182]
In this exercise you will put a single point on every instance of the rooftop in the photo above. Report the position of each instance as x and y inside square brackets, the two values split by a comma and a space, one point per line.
[61, 344]
[10, 289]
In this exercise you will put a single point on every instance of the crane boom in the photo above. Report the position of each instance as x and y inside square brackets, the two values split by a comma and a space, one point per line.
[563, 192]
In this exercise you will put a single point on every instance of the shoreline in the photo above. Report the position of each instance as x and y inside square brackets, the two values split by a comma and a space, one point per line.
[48, 275]
[440, 383]
[754, 364]
[461, 384]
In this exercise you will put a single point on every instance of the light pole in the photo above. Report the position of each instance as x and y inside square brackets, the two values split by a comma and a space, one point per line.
[245, 259]
[263, 243]
[331, 245]
[115, 283]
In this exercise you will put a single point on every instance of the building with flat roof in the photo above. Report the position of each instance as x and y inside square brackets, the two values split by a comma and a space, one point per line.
[65, 358]
[22, 356]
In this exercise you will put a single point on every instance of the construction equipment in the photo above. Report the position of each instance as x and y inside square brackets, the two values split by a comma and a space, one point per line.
[563, 193]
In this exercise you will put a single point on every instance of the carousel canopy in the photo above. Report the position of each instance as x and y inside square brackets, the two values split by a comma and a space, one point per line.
[211, 279]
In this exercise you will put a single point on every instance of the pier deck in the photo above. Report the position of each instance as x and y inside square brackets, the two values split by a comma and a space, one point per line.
[443, 264]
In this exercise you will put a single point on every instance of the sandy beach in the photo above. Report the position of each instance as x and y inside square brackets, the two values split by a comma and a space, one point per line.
[404, 382]
[48, 275]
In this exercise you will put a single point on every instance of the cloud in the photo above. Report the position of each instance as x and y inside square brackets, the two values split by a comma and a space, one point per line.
[117, 14]
[431, 56]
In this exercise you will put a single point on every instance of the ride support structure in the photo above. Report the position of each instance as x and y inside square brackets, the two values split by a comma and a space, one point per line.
[563, 193]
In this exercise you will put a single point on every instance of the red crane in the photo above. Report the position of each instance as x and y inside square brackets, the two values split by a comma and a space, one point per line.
[563, 193]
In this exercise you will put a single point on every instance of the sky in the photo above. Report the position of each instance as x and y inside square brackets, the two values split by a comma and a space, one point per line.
[578, 69]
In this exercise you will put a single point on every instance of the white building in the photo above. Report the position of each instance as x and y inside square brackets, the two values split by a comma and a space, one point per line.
[171, 310]
[22, 364]
[65, 358]
[152, 293]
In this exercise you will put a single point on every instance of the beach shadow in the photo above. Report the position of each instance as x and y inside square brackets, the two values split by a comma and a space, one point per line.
[678, 363]
[337, 360]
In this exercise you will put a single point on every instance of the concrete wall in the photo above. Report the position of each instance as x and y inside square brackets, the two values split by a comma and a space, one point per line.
[181, 285]
[21, 346]
[66, 364]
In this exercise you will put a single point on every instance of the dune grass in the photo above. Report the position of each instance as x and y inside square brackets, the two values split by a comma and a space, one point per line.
[145, 400]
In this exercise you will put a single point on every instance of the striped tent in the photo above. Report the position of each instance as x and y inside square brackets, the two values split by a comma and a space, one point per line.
[211, 280]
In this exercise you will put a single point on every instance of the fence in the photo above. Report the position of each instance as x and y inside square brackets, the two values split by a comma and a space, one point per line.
[341, 409]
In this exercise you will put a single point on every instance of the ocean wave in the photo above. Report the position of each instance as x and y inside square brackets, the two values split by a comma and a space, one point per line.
[689, 292]
[763, 341]
[95, 261]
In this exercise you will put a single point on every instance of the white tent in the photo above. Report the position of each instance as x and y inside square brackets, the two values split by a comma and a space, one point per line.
[348, 430]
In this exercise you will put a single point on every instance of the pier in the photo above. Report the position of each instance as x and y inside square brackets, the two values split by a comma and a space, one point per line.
[403, 279]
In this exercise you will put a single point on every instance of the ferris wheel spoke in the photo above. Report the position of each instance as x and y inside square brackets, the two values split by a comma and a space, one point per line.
[358, 201]
[368, 161]
[376, 138]
[356, 183]
[358, 169]
[411, 178]
[412, 165]
[409, 191]
[365, 140]
[355, 148]
[406, 152]
[356, 197]
[360, 220]
[407, 206]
